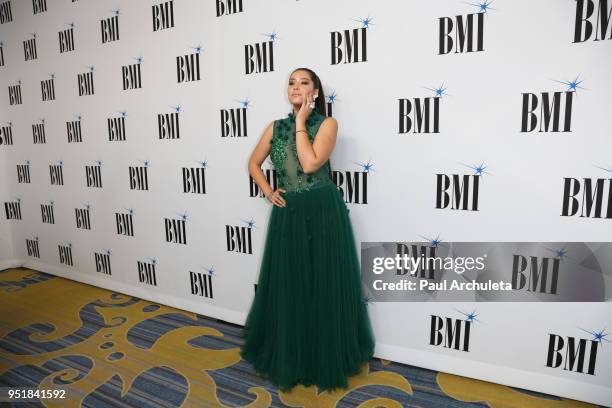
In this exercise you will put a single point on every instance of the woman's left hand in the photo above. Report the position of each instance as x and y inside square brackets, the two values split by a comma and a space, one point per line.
[305, 109]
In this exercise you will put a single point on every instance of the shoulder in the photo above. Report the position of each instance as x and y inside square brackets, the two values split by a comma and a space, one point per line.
[330, 122]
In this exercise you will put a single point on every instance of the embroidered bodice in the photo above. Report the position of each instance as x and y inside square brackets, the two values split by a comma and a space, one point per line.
[291, 176]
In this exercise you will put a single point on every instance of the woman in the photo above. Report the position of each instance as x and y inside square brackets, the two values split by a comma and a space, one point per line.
[308, 322]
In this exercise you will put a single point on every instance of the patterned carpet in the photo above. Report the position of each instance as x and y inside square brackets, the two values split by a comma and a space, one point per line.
[112, 350]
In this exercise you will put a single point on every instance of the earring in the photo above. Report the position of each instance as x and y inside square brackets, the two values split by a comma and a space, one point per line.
[312, 104]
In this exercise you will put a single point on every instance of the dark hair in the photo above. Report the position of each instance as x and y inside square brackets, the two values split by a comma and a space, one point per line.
[320, 101]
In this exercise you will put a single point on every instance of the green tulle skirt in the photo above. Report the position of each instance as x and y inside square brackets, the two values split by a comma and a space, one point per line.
[308, 323]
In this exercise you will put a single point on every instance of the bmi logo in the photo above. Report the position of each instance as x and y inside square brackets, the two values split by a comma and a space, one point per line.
[201, 284]
[451, 333]
[425, 270]
[125, 222]
[46, 211]
[6, 134]
[176, 230]
[168, 124]
[259, 57]
[116, 127]
[23, 172]
[47, 88]
[73, 130]
[459, 191]
[56, 173]
[239, 238]
[66, 39]
[589, 196]
[234, 120]
[12, 209]
[146, 272]
[103, 261]
[589, 13]
[131, 76]
[93, 175]
[65, 254]
[163, 15]
[194, 179]
[271, 177]
[29, 48]
[82, 217]
[38, 132]
[421, 115]
[109, 28]
[188, 66]
[139, 176]
[350, 46]
[577, 354]
[33, 247]
[39, 6]
[227, 7]
[85, 82]
[536, 274]
[463, 33]
[14, 92]
[6, 14]
[353, 185]
[552, 111]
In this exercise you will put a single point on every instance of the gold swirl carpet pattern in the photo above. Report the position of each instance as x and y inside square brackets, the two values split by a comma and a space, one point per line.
[107, 349]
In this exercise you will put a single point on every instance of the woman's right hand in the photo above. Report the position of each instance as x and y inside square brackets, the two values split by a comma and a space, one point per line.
[275, 198]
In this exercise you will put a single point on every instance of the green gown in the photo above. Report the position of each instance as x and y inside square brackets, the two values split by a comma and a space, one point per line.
[308, 322]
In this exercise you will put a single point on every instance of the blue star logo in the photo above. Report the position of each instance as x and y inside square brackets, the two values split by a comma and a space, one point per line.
[210, 271]
[69, 244]
[116, 12]
[87, 206]
[603, 168]
[51, 202]
[78, 116]
[198, 48]
[559, 253]
[91, 68]
[333, 97]
[478, 170]
[52, 76]
[42, 120]
[129, 210]
[572, 85]
[599, 336]
[28, 162]
[99, 162]
[367, 167]
[470, 317]
[365, 22]
[183, 216]
[145, 162]
[108, 251]
[33, 35]
[153, 260]
[245, 104]
[440, 91]
[10, 124]
[483, 7]
[250, 224]
[61, 162]
[19, 81]
[71, 25]
[272, 36]
[176, 108]
[138, 59]
[203, 163]
[434, 242]
[123, 113]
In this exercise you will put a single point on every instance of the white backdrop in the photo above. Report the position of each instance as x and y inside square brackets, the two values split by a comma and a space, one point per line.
[527, 47]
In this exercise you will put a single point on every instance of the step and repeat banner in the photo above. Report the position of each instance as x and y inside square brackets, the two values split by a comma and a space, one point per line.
[126, 129]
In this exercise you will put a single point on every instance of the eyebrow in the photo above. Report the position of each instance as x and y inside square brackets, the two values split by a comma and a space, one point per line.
[306, 78]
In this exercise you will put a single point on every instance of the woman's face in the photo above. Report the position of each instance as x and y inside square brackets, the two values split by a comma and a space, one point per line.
[300, 85]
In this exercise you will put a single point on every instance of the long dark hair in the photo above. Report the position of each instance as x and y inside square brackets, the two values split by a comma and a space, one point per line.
[320, 101]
